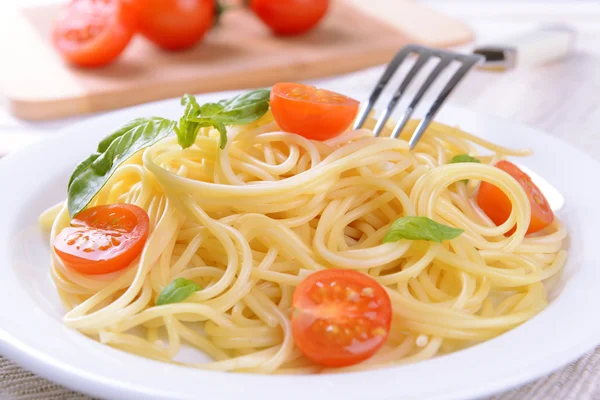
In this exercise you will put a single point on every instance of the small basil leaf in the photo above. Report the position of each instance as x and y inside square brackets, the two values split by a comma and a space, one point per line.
[205, 122]
[245, 108]
[177, 291]
[241, 109]
[209, 110]
[187, 130]
[222, 132]
[245, 99]
[420, 228]
[93, 172]
[244, 115]
[190, 103]
[460, 158]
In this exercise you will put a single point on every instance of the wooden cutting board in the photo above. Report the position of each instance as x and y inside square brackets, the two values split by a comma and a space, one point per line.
[240, 53]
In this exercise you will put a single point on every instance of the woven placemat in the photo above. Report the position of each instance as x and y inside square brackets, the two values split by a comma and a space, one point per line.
[577, 381]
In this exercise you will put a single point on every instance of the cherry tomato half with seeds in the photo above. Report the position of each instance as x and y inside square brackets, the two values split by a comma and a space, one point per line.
[340, 317]
[290, 17]
[314, 113]
[498, 207]
[93, 33]
[103, 239]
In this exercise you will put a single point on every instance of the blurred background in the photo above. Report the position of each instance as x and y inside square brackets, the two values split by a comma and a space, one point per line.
[41, 92]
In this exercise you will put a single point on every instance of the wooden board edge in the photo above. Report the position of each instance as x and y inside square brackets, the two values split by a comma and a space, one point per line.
[82, 105]
[78, 102]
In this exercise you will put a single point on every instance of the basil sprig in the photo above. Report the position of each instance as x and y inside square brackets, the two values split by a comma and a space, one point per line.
[461, 158]
[177, 291]
[420, 228]
[93, 172]
[242, 109]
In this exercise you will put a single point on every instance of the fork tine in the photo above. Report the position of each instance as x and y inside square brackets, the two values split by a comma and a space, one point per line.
[452, 83]
[445, 60]
[387, 75]
[423, 58]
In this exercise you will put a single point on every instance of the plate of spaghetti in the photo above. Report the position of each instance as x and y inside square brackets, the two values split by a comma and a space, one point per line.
[254, 245]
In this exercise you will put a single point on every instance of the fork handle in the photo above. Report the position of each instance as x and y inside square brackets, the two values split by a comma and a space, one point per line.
[550, 43]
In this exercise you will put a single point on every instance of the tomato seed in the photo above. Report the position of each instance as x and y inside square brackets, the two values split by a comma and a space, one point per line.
[352, 296]
[379, 331]
[367, 292]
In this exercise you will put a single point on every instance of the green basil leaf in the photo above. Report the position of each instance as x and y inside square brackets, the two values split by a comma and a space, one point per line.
[205, 122]
[93, 172]
[460, 158]
[177, 291]
[241, 109]
[209, 110]
[249, 113]
[222, 132]
[187, 130]
[245, 108]
[420, 228]
[80, 168]
[191, 105]
[241, 100]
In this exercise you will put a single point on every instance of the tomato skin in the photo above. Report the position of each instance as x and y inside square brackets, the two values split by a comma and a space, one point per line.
[93, 33]
[498, 207]
[103, 239]
[290, 17]
[176, 24]
[341, 317]
[316, 114]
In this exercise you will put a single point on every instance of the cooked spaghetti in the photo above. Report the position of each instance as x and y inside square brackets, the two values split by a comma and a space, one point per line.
[249, 222]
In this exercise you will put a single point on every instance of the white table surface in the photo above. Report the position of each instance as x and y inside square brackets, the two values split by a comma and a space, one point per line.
[562, 99]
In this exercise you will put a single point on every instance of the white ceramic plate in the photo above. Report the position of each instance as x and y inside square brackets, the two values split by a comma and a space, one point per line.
[31, 331]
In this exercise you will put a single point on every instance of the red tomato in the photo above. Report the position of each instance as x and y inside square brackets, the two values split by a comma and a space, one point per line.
[313, 113]
[290, 17]
[340, 317]
[498, 207]
[93, 33]
[176, 24]
[103, 239]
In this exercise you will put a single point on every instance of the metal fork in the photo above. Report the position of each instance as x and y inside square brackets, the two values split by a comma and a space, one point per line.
[424, 54]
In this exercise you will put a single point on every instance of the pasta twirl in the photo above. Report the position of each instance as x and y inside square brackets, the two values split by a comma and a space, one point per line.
[249, 222]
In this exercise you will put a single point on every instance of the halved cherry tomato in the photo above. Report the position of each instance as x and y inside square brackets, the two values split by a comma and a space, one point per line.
[290, 17]
[498, 207]
[176, 24]
[103, 239]
[340, 317]
[93, 33]
[313, 113]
